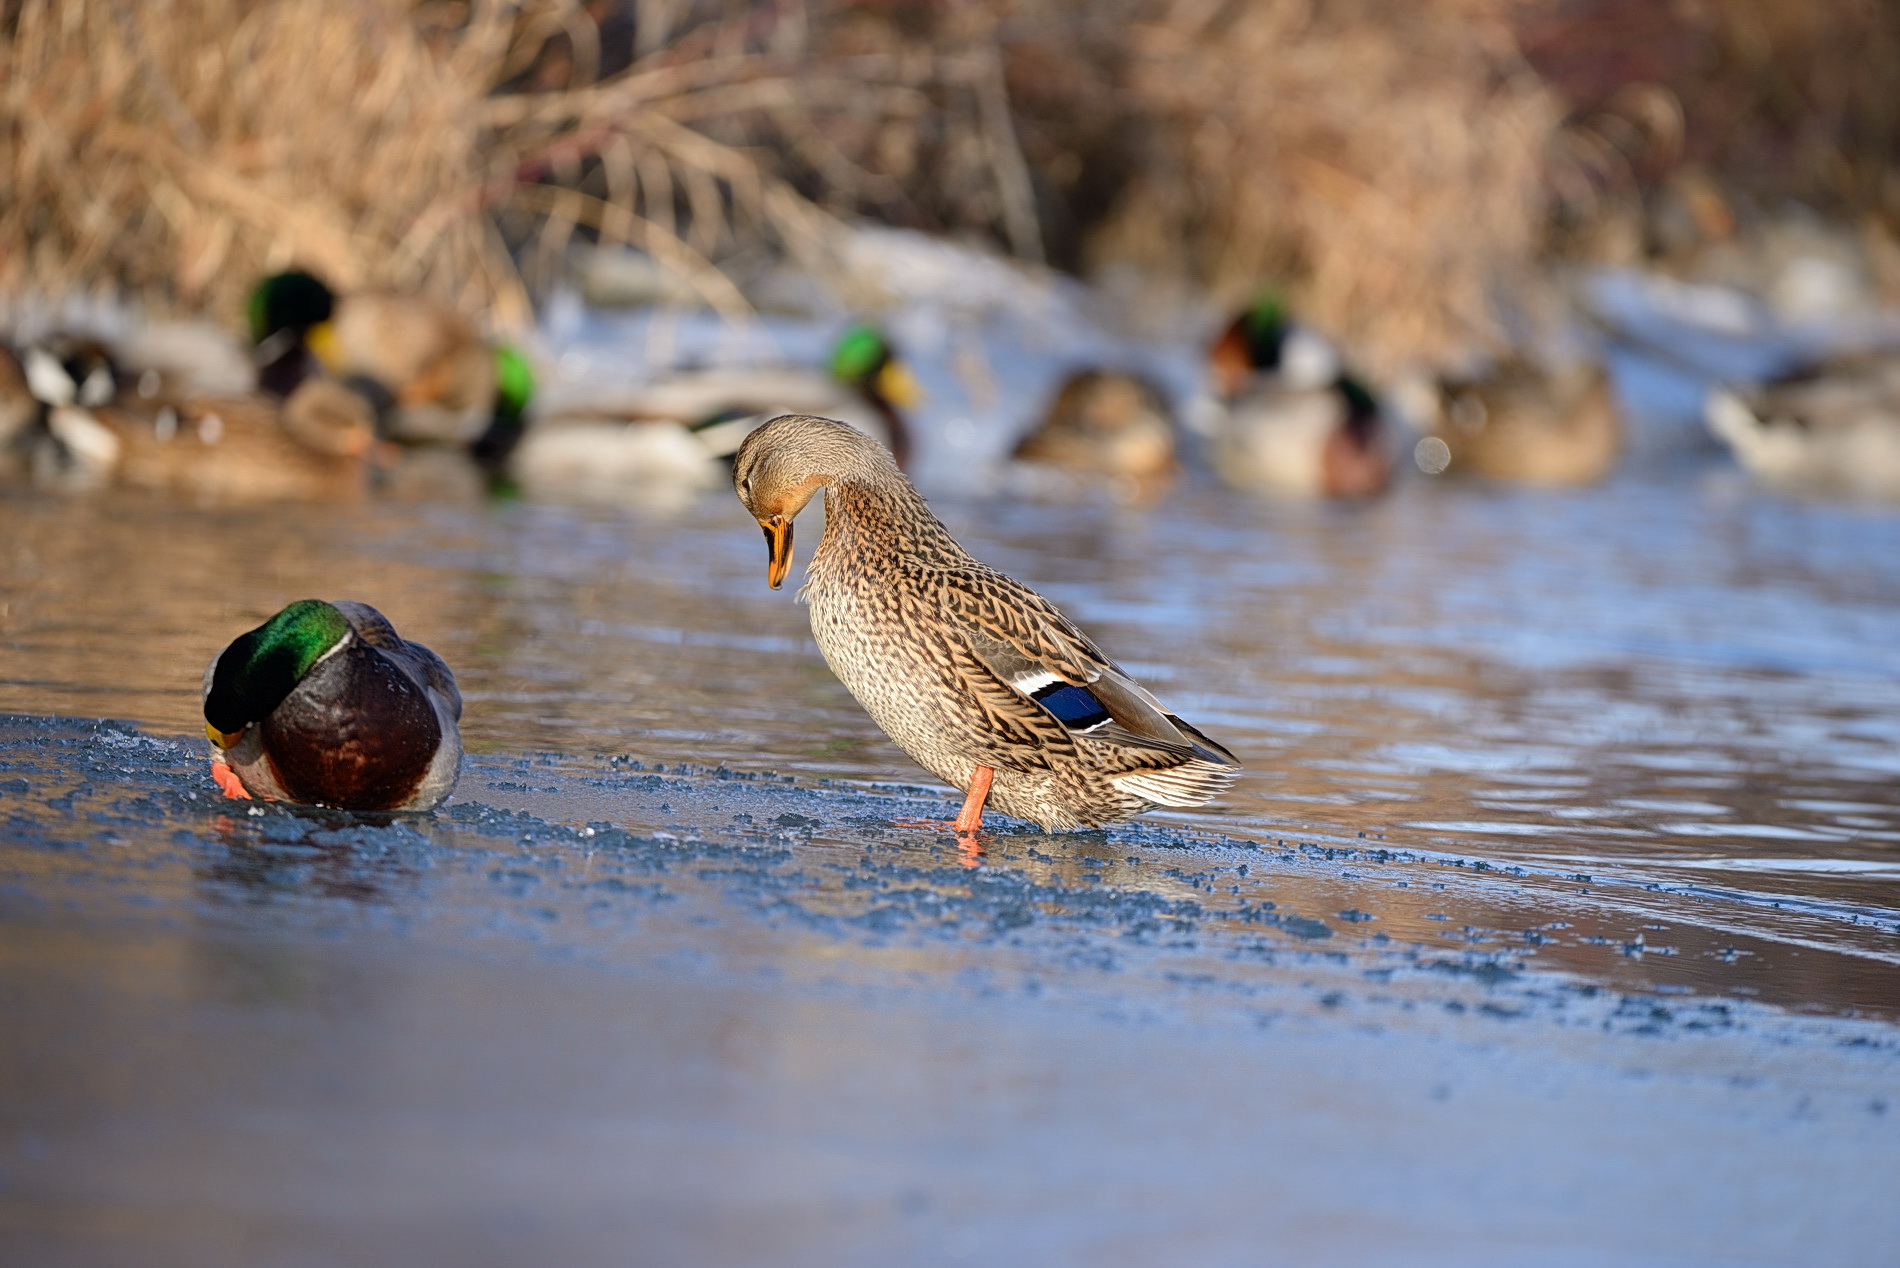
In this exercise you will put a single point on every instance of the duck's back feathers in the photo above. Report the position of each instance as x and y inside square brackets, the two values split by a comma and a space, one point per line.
[429, 669]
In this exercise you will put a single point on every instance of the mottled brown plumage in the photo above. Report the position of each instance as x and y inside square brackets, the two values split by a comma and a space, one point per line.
[962, 666]
[314, 446]
[1524, 422]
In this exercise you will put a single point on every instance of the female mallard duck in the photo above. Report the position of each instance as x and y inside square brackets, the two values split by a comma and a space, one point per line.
[427, 364]
[1830, 428]
[325, 704]
[1107, 426]
[314, 445]
[1292, 422]
[1524, 422]
[981, 680]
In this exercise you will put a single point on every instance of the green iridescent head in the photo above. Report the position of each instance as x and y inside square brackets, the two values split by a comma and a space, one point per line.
[289, 301]
[514, 381]
[261, 667]
[1265, 319]
[859, 354]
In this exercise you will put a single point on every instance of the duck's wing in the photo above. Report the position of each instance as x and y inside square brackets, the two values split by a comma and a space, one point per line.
[1035, 657]
[429, 669]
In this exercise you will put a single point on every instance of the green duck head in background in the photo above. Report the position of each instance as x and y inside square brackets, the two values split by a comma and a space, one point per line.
[289, 316]
[864, 360]
[514, 392]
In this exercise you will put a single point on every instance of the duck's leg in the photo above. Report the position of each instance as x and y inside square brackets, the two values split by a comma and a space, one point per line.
[970, 818]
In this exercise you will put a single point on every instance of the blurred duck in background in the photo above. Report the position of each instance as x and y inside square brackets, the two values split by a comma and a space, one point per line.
[457, 404]
[1831, 428]
[665, 444]
[427, 368]
[1520, 421]
[90, 430]
[1291, 421]
[1106, 428]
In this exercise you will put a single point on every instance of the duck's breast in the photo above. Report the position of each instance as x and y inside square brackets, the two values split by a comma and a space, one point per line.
[358, 733]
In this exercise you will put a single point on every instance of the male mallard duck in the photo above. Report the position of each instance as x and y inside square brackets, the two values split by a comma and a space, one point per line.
[325, 704]
[661, 447]
[1831, 428]
[1107, 426]
[436, 371]
[1292, 423]
[1524, 422]
[981, 680]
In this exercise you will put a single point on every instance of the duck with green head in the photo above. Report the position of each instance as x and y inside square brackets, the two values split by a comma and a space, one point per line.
[663, 445]
[427, 369]
[327, 705]
[1292, 421]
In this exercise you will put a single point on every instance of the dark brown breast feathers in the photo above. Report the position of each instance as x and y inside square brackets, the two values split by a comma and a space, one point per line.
[357, 733]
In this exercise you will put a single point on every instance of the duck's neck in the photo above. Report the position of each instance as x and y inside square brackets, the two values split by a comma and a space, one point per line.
[874, 525]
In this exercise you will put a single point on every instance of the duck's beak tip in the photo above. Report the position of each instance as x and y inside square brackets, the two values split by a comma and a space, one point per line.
[778, 539]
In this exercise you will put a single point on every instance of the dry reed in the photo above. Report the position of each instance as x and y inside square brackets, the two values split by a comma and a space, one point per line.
[1389, 163]
[177, 151]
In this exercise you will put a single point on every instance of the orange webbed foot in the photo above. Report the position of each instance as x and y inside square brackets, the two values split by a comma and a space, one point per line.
[227, 781]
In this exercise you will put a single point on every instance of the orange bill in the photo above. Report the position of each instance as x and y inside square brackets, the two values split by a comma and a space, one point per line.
[778, 536]
[224, 739]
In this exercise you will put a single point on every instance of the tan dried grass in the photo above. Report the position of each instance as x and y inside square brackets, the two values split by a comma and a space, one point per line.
[1382, 161]
[178, 151]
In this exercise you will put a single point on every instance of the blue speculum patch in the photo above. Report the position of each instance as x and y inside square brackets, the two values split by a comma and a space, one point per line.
[1074, 707]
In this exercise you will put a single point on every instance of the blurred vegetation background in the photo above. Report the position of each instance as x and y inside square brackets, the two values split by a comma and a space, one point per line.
[1408, 170]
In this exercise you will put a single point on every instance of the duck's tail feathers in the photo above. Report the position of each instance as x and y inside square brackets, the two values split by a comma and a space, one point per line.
[1204, 749]
[1193, 783]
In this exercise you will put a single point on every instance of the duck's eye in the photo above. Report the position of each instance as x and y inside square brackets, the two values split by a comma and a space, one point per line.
[745, 487]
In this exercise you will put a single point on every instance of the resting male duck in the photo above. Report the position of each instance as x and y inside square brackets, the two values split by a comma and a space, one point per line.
[326, 704]
[662, 446]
